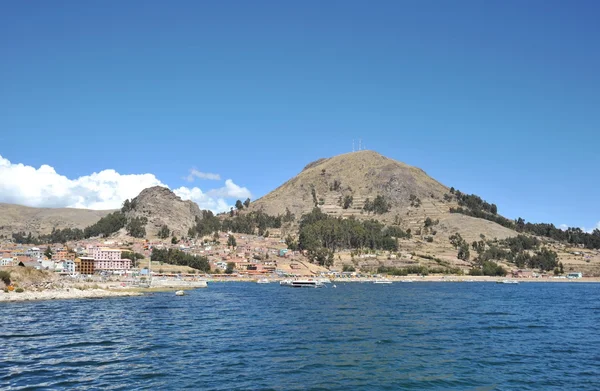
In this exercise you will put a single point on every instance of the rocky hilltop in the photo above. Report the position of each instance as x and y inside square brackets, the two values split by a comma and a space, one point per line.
[160, 206]
[39, 221]
[412, 196]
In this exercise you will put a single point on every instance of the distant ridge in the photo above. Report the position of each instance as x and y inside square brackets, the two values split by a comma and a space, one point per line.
[18, 218]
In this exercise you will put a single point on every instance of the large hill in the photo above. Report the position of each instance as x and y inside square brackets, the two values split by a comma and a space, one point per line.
[160, 206]
[18, 218]
[412, 195]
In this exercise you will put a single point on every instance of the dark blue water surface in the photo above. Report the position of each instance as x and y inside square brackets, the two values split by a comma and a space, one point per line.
[244, 336]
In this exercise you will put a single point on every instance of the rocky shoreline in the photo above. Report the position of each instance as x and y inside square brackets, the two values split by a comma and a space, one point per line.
[56, 294]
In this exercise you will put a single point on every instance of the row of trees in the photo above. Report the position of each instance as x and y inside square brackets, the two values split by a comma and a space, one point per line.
[322, 235]
[178, 257]
[523, 251]
[473, 205]
[250, 223]
[240, 205]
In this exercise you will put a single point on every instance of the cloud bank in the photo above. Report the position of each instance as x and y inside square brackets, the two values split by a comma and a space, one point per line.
[107, 189]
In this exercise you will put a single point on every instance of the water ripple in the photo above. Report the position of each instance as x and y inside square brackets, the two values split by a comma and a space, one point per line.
[241, 336]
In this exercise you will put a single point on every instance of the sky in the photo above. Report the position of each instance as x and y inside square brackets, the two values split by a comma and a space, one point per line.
[229, 99]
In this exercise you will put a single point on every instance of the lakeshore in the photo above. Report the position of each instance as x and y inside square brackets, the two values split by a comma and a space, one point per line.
[121, 289]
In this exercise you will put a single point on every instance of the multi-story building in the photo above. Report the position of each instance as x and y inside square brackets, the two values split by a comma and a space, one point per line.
[34, 253]
[60, 255]
[105, 254]
[112, 265]
[68, 266]
[109, 259]
[86, 265]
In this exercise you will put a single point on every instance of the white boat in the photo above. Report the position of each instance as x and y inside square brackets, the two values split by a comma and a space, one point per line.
[407, 281]
[179, 293]
[382, 281]
[263, 281]
[302, 283]
[508, 282]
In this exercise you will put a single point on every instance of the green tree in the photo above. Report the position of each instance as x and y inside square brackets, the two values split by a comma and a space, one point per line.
[48, 253]
[288, 216]
[428, 222]
[494, 209]
[348, 199]
[5, 277]
[231, 241]
[247, 202]
[135, 257]
[126, 206]
[174, 240]
[230, 267]
[239, 205]
[136, 227]
[164, 232]
[291, 243]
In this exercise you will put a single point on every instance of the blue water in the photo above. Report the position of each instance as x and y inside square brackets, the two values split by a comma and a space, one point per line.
[244, 336]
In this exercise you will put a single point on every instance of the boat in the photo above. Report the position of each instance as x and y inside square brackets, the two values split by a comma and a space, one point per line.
[507, 282]
[302, 283]
[382, 281]
[180, 293]
[263, 281]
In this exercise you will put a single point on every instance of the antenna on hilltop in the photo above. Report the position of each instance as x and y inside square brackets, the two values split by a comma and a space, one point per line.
[352, 145]
[359, 141]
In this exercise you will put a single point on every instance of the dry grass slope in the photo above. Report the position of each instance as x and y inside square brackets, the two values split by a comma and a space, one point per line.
[16, 218]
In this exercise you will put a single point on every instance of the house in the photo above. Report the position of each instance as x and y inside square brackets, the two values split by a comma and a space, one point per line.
[8, 261]
[68, 266]
[34, 253]
[575, 275]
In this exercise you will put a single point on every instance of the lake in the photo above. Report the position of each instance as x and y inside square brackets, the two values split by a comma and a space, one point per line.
[247, 336]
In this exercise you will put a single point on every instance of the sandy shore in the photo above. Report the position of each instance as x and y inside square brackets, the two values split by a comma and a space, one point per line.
[55, 294]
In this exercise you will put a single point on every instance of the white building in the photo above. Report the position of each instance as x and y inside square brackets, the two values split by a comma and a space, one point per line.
[34, 253]
[68, 266]
[7, 261]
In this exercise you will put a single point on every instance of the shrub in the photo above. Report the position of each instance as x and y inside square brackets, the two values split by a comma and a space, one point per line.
[19, 290]
[5, 277]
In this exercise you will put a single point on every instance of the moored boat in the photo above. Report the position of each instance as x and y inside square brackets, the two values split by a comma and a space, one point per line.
[302, 283]
[382, 281]
[263, 281]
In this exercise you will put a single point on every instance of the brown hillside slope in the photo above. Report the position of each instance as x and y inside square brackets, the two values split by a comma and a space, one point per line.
[364, 175]
[162, 207]
[17, 218]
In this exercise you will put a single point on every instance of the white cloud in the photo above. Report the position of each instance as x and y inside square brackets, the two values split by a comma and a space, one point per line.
[202, 175]
[203, 200]
[107, 189]
[564, 227]
[231, 190]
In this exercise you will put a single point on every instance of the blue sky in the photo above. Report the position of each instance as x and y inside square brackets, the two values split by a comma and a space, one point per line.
[496, 98]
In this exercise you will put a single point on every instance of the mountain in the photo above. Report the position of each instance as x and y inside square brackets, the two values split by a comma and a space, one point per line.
[412, 195]
[17, 218]
[160, 206]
